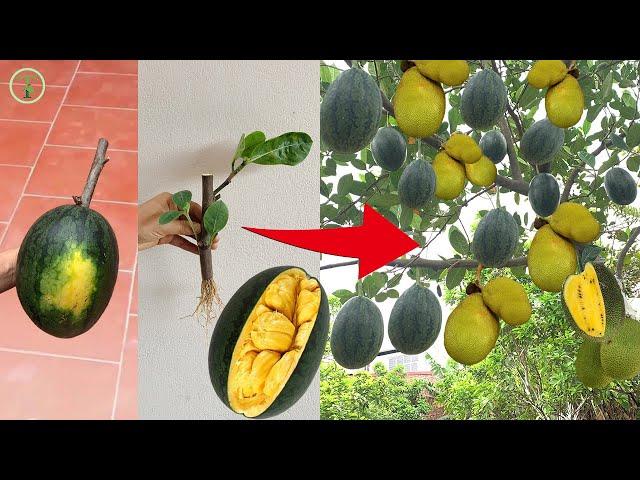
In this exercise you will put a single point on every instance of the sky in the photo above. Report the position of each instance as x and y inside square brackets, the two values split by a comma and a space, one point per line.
[346, 277]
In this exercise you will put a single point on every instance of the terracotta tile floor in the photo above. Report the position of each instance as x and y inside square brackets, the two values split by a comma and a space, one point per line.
[45, 152]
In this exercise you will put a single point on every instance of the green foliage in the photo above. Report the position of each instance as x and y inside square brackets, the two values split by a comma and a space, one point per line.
[380, 395]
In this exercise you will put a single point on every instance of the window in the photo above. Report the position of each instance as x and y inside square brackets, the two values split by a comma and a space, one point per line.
[410, 362]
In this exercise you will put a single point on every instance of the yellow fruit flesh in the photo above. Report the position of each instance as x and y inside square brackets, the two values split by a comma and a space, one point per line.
[584, 301]
[575, 222]
[272, 341]
[450, 176]
[551, 260]
[471, 331]
[449, 72]
[564, 103]
[463, 148]
[419, 105]
[546, 73]
[482, 173]
[507, 299]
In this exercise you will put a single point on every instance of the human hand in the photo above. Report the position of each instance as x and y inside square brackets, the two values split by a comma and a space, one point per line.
[151, 233]
[8, 261]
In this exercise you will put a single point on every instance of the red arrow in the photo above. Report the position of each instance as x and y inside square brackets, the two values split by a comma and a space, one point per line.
[375, 243]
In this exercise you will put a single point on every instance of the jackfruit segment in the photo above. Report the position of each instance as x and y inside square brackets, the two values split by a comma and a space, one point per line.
[463, 148]
[546, 73]
[584, 300]
[272, 341]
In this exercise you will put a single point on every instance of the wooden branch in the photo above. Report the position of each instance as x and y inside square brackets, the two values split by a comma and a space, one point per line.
[518, 186]
[467, 264]
[623, 253]
[204, 239]
[516, 174]
[99, 161]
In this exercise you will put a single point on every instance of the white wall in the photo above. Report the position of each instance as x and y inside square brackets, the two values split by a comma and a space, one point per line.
[191, 115]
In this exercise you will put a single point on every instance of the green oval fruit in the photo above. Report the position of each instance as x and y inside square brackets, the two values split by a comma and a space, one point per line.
[357, 333]
[551, 259]
[589, 367]
[415, 320]
[471, 331]
[507, 299]
[575, 222]
[268, 342]
[593, 302]
[389, 148]
[484, 100]
[620, 356]
[350, 112]
[620, 186]
[564, 102]
[66, 270]
[541, 142]
[494, 146]
[417, 184]
[495, 239]
[544, 194]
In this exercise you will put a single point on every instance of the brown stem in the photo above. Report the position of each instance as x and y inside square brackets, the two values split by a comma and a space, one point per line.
[467, 264]
[204, 239]
[99, 161]
[623, 253]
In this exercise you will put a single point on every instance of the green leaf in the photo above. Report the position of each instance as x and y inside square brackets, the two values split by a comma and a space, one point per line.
[344, 184]
[239, 148]
[251, 141]
[168, 217]
[458, 241]
[633, 163]
[633, 135]
[454, 277]
[618, 142]
[287, 149]
[607, 86]
[344, 295]
[589, 254]
[405, 218]
[587, 158]
[216, 217]
[392, 294]
[182, 199]
[384, 200]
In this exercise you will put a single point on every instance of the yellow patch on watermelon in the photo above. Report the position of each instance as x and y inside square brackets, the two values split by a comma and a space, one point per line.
[69, 283]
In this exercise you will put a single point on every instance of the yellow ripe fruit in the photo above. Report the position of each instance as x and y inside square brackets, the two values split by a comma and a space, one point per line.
[450, 177]
[449, 72]
[463, 148]
[575, 222]
[564, 103]
[546, 73]
[507, 299]
[471, 331]
[419, 105]
[482, 173]
[551, 260]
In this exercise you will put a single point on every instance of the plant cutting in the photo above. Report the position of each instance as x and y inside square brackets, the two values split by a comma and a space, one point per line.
[254, 148]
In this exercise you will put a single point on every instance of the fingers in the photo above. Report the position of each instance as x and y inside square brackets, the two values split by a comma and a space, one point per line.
[180, 227]
[216, 241]
[183, 243]
[195, 212]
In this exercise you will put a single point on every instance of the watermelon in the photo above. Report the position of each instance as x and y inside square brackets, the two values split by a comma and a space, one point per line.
[350, 112]
[494, 146]
[620, 186]
[229, 328]
[415, 320]
[357, 333]
[495, 239]
[417, 184]
[541, 142]
[67, 269]
[484, 100]
[544, 194]
[389, 148]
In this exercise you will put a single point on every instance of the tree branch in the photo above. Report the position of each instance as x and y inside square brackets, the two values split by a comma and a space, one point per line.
[99, 161]
[511, 149]
[623, 253]
[467, 264]
[518, 186]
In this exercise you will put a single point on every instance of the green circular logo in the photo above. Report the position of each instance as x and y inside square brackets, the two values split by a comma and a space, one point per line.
[26, 88]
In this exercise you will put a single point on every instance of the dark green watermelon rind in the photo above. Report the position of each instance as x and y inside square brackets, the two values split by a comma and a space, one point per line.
[417, 184]
[620, 186]
[494, 146]
[357, 334]
[541, 142]
[229, 326]
[415, 321]
[544, 194]
[613, 304]
[350, 112]
[389, 148]
[495, 239]
[46, 239]
[484, 100]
